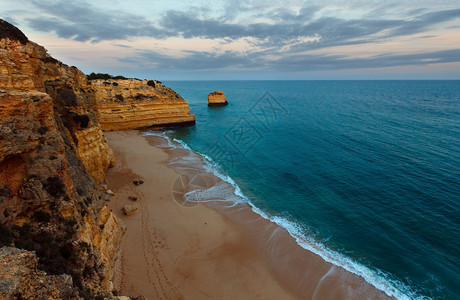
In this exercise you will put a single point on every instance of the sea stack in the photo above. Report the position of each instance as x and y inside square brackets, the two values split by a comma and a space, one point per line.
[217, 98]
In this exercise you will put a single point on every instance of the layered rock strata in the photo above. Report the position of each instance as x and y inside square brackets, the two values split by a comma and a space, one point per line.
[132, 103]
[52, 156]
[217, 98]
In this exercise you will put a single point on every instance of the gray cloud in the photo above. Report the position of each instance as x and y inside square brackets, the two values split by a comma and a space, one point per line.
[334, 62]
[83, 22]
[196, 60]
[306, 62]
[422, 22]
[123, 46]
[80, 21]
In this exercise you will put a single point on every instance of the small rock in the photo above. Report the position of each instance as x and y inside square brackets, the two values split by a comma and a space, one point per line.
[106, 197]
[133, 198]
[110, 193]
[103, 187]
[130, 210]
[138, 181]
[5, 130]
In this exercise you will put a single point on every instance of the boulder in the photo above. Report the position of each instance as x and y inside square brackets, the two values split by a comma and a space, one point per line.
[130, 210]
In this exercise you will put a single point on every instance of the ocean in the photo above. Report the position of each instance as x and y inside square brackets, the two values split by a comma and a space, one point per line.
[364, 173]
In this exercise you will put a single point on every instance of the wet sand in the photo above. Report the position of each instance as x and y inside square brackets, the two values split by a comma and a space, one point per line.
[175, 250]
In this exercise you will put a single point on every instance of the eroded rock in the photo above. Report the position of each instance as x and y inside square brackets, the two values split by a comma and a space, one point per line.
[217, 98]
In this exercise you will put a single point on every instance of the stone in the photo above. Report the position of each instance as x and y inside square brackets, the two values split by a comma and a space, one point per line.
[130, 210]
[217, 98]
[133, 198]
[105, 197]
[138, 181]
[110, 193]
[103, 188]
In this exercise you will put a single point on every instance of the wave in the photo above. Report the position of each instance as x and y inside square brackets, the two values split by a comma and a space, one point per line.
[233, 195]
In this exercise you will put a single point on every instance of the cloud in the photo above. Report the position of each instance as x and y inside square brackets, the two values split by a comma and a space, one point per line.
[336, 62]
[422, 22]
[81, 21]
[123, 46]
[275, 38]
[307, 62]
[194, 60]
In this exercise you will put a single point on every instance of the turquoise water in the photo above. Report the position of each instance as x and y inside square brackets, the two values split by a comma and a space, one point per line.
[367, 170]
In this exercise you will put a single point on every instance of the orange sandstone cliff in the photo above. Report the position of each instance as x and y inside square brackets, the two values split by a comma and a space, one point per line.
[132, 103]
[52, 156]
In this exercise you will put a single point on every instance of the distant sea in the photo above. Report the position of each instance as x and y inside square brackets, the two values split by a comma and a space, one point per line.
[364, 173]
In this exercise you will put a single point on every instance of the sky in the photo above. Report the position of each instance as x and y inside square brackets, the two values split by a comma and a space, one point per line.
[247, 40]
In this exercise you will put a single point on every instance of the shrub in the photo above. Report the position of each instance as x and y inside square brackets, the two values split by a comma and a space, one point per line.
[4, 192]
[7, 236]
[151, 83]
[66, 251]
[119, 97]
[93, 76]
[41, 216]
[66, 97]
[98, 76]
[10, 31]
[54, 186]
[49, 59]
[81, 120]
[42, 130]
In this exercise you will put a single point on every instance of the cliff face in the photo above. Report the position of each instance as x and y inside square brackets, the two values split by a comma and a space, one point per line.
[27, 67]
[131, 103]
[217, 98]
[52, 155]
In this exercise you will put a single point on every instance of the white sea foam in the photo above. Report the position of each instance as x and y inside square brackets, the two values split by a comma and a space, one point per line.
[377, 278]
[219, 192]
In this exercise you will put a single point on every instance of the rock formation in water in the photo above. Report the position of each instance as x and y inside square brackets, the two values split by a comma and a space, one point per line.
[52, 156]
[217, 98]
[132, 103]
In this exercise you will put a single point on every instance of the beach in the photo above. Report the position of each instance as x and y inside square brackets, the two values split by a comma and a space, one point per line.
[178, 250]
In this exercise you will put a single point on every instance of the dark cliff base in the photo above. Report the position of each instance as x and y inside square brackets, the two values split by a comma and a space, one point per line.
[218, 104]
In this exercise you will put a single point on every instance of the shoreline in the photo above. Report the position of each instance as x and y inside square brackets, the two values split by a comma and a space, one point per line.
[188, 250]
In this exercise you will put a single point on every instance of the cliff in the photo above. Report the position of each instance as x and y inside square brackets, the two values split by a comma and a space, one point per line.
[26, 67]
[52, 156]
[132, 103]
[217, 98]
[20, 278]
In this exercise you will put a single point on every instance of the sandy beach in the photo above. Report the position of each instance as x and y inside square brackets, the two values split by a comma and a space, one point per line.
[176, 251]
